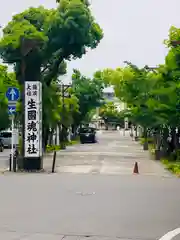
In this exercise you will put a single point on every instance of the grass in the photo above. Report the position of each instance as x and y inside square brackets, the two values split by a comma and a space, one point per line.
[51, 148]
[173, 167]
[151, 146]
[142, 140]
[72, 142]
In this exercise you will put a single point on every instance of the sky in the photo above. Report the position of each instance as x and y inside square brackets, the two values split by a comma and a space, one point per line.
[133, 31]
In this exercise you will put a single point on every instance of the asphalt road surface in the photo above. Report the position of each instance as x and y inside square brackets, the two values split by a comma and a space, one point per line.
[81, 204]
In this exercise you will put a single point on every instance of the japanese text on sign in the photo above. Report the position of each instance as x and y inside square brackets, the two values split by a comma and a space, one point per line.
[33, 119]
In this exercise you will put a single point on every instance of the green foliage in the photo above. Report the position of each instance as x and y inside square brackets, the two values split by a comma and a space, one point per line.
[173, 167]
[46, 38]
[62, 33]
[89, 93]
[110, 113]
[152, 96]
[6, 80]
[143, 140]
[53, 103]
[52, 148]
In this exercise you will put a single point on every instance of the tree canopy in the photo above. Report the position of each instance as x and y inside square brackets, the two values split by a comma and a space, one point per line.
[89, 93]
[152, 93]
[47, 39]
[110, 114]
[6, 80]
[63, 33]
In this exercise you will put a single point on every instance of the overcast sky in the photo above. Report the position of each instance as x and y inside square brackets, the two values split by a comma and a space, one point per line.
[134, 30]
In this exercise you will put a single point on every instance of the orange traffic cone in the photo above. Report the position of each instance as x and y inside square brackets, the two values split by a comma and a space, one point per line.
[136, 170]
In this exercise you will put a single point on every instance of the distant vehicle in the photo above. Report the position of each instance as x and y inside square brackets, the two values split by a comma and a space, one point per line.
[87, 135]
[6, 137]
[1, 145]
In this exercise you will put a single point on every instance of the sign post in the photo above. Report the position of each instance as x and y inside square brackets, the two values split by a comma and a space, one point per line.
[33, 124]
[12, 141]
[32, 104]
[12, 95]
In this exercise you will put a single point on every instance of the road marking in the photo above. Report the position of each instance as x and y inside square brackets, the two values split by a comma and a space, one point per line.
[170, 235]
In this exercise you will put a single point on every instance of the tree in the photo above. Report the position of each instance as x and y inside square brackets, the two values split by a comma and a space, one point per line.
[89, 93]
[64, 33]
[152, 96]
[110, 114]
[6, 80]
[54, 36]
[61, 111]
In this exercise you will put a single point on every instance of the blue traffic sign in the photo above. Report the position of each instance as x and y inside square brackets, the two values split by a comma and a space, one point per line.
[11, 110]
[12, 94]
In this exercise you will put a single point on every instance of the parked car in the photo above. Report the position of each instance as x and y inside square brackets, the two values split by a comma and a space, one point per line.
[1, 145]
[6, 136]
[87, 135]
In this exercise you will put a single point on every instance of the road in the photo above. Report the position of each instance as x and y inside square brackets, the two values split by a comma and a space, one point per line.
[83, 204]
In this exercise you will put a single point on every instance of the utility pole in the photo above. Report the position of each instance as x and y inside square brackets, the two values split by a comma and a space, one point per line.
[64, 88]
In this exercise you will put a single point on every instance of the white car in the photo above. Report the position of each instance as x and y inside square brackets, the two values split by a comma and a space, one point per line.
[6, 137]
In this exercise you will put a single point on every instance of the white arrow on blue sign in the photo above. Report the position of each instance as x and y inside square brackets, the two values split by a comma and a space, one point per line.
[12, 94]
[11, 110]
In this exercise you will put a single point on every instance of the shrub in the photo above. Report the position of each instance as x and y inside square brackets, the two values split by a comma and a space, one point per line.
[173, 167]
[51, 148]
[149, 140]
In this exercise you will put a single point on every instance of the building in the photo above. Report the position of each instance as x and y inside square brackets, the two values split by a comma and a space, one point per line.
[109, 96]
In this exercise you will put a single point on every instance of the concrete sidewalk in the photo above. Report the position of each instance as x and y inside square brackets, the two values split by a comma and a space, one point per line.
[114, 154]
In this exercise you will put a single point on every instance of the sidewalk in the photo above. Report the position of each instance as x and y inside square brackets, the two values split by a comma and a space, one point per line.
[147, 166]
[115, 154]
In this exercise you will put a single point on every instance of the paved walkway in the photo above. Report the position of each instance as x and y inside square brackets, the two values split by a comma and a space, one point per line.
[113, 154]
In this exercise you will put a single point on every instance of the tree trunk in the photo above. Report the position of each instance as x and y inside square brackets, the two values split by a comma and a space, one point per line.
[51, 133]
[145, 146]
[45, 137]
[178, 137]
[165, 134]
[158, 145]
[62, 137]
[174, 141]
[158, 137]
[74, 130]
[136, 133]
[171, 146]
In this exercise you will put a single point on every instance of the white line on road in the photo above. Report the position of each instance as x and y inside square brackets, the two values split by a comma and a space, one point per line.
[170, 235]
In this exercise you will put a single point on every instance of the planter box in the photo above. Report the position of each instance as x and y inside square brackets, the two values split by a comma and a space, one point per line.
[145, 146]
[136, 139]
[157, 154]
